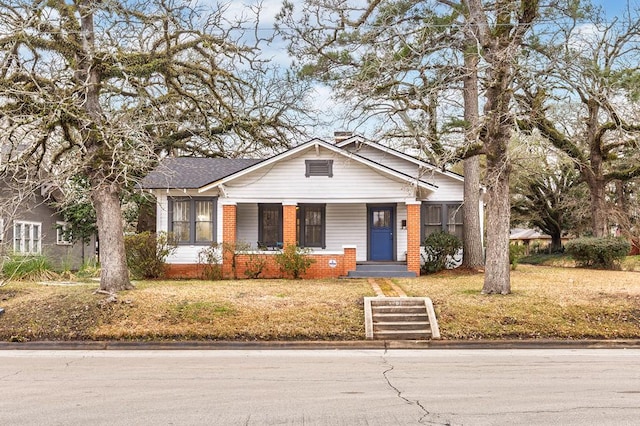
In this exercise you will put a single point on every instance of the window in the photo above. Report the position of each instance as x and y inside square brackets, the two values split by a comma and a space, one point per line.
[311, 225]
[454, 220]
[63, 234]
[27, 237]
[192, 220]
[318, 168]
[433, 219]
[270, 225]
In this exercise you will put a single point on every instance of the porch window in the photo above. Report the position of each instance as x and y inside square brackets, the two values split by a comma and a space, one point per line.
[27, 237]
[270, 225]
[311, 225]
[442, 217]
[192, 220]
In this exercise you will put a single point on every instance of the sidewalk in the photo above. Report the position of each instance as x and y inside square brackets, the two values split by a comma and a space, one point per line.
[328, 345]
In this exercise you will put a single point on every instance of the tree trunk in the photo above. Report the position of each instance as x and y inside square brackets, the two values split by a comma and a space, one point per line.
[556, 243]
[113, 262]
[472, 238]
[599, 221]
[497, 277]
[497, 268]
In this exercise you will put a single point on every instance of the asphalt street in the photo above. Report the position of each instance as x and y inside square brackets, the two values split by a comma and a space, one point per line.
[320, 387]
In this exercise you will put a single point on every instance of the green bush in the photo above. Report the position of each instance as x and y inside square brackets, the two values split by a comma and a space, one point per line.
[516, 252]
[294, 261]
[439, 252]
[601, 253]
[27, 268]
[147, 252]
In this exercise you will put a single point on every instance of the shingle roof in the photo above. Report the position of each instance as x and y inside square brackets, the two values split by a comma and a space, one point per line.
[192, 173]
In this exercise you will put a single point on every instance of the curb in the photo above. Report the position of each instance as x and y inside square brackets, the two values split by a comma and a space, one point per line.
[324, 345]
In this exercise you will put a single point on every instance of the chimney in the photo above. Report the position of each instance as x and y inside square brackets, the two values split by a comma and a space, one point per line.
[339, 136]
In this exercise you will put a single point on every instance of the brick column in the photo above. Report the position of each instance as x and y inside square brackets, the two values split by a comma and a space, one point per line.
[349, 259]
[413, 237]
[228, 237]
[289, 224]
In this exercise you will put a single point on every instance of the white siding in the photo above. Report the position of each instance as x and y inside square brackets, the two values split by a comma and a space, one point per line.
[401, 234]
[449, 189]
[286, 181]
[247, 224]
[347, 225]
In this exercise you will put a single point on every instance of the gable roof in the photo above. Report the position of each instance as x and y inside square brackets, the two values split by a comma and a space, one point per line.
[316, 143]
[192, 172]
[410, 158]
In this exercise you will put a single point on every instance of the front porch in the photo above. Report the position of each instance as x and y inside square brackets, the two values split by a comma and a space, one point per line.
[348, 239]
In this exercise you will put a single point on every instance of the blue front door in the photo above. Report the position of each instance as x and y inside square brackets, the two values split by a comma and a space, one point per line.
[381, 233]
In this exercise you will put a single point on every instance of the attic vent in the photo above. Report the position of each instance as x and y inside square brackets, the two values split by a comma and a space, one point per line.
[319, 168]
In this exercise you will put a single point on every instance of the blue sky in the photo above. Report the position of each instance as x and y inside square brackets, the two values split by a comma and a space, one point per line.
[616, 7]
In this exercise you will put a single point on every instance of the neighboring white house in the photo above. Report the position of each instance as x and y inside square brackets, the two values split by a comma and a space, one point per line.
[352, 203]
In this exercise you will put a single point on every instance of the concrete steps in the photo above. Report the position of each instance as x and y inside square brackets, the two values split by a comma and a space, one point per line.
[400, 318]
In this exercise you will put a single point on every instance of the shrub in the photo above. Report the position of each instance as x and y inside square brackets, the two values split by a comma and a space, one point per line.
[516, 252]
[210, 258]
[255, 265]
[439, 252]
[27, 268]
[602, 253]
[147, 252]
[294, 261]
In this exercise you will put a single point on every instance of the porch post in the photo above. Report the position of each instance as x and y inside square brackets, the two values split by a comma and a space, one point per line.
[413, 236]
[228, 238]
[289, 214]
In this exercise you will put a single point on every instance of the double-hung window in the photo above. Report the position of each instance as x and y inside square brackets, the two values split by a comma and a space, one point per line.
[270, 225]
[445, 217]
[311, 225]
[63, 234]
[27, 237]
[192, 219]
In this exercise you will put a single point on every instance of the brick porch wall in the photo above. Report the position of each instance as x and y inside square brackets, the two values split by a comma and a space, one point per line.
[413, 238]
[320, 269]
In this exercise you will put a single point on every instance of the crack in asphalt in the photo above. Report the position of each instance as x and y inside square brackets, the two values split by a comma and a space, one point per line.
[6, 376]
[424, 419]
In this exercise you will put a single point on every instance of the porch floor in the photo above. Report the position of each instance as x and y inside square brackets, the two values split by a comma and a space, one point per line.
[371, 269]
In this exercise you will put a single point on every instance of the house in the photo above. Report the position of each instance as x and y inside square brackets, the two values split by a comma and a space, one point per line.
[29, 225]
[352, 202]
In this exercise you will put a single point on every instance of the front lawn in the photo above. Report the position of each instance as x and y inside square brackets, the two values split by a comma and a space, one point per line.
[547, 302]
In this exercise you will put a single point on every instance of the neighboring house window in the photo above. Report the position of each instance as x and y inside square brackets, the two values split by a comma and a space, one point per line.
[269, 225]
[442, 217]
[318, 168]
[192, 220]
[311, 225]
[27, 237]
[63, 234]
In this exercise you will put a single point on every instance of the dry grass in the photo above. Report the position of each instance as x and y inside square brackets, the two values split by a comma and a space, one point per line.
[547, 302]
[186, 310]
